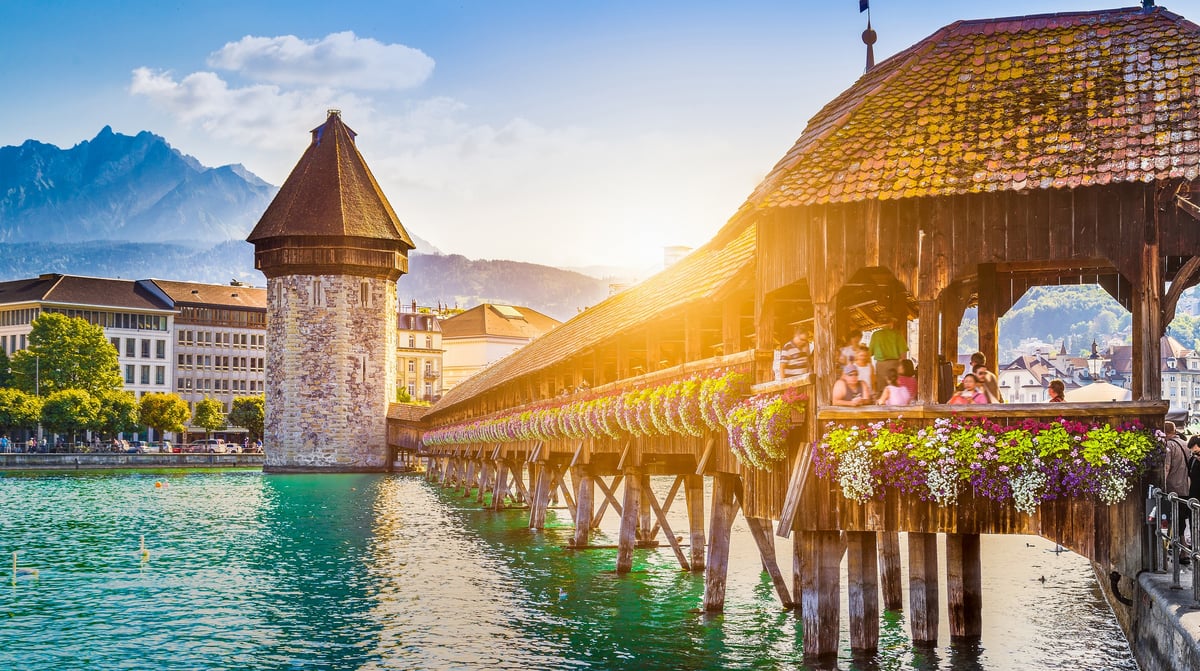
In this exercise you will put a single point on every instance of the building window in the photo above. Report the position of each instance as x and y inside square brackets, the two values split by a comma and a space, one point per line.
[129, 373]
[428, 392]
[428, 342]
[364, 294]
[316, 298]
[160, 349]
[145, 375]
[116, 343]
[179, 384]
[412, 340]
[145, 348]
[160, 375]
[412, 366]
[130, 347]
[412, 390]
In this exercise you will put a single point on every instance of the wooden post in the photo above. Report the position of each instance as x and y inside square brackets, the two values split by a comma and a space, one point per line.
[724, 509]
[862, 574]
[761, 530]
[965, 586]
[541, 497]
[824, 353]
[889, 570]
[820, 558]
[631, 510]
[485, 470]
[989, 315]
[923, 588]
[645, 515]
[501, 485]
[693, 489]
[927, 351]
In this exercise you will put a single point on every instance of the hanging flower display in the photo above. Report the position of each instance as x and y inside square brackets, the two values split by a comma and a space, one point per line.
[1025, 463]
[758, 427]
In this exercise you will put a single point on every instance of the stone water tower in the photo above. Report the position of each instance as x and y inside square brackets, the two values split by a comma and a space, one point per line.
[332, 249]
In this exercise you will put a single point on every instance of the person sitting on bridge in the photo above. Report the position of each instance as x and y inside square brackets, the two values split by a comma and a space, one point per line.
[1057, 392]
[849, 390]
[970, 392]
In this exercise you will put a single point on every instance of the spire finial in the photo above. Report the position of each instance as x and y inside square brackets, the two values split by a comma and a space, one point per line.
[868, 35]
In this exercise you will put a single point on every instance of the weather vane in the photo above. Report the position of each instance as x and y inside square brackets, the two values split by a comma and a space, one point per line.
[868, 35]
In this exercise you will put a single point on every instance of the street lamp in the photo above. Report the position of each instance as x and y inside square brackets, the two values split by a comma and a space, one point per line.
[1094, 363]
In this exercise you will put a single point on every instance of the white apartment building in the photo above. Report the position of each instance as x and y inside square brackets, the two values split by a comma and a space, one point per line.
[419, 354]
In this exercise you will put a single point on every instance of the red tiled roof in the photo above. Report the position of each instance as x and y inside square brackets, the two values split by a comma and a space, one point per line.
[196, 293]
[407, 412]
[331, 192]
[103, 292]
[486, 320]
[697, 276]
[1035, 102]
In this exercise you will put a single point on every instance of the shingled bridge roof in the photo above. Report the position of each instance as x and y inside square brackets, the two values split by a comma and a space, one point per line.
[1034, 102]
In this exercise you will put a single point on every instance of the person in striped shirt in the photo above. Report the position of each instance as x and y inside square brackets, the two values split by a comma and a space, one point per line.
[794, 359]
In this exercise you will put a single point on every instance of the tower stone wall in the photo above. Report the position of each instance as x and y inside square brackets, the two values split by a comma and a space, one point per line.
[330, 371]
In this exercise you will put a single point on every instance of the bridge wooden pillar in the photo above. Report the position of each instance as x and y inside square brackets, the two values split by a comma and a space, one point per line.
[889, 570]
[820, 558]
[501, 484]
[927, 351]
[724, 509]
[584, 496]
[540, 490]
[630, 512]
[760, 528]
[863, 575]
[965, 586]
[923, 588]
[693, 488]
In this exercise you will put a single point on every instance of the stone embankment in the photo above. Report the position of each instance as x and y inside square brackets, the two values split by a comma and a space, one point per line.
[1168, 623]
[105, 460]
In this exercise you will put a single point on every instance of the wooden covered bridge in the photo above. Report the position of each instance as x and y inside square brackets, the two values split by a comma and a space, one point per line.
[991, 157]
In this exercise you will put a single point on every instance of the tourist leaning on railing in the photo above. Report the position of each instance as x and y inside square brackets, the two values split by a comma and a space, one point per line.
[1166, 533]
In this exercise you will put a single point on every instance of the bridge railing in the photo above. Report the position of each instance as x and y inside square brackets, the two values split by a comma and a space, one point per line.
[1164, 510]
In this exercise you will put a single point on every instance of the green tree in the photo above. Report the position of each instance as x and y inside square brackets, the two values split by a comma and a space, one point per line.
[71, 411]
[118, 412]
[18, 409]
[66, 353]
[209, 415]
[5, 371]
[163, 412]
[248, 412]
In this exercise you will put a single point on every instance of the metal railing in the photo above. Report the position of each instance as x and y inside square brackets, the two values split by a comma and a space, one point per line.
[1167, 546]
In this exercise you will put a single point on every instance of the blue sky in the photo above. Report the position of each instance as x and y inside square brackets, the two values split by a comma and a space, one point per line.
[566, 133]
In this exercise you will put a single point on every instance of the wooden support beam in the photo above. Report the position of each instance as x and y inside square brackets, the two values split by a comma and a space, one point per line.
[760, 529]
[923, 588]
[608, 498]
[667, 503]
[629, 519]
[648, 495]
[863, 591]
[708, 449]
[561, 480]
[585, 493]
[624, 455]
[693, 491]
[820, 558]
[791, 502]
[541, 496]
[644, 514]
[964, 583]
[989, 314]
[519, 482]
[724, 509]
[501, 485]
[889, 570]
[825, 347]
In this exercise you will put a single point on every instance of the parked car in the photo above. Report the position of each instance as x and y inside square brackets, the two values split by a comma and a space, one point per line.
[162, 446]
[139, 447]
[210, 445]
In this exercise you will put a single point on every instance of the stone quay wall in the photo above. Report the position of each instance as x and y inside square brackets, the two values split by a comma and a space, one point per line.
[68, 461]
[330, 372]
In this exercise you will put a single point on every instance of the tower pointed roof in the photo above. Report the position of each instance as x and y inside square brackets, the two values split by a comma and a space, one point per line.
[331, 192]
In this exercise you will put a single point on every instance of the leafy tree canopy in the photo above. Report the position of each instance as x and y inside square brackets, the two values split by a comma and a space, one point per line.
[71, 411]
[5, 372]
[163, 412]
[19, 409]
[118, 412]
[248, 412]
[209, 415]
[66, 353]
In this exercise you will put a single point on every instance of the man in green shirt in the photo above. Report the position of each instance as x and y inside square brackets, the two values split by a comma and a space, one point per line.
[888, 346]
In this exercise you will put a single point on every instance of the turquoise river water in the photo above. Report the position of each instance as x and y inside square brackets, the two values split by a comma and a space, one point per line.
[253, 571]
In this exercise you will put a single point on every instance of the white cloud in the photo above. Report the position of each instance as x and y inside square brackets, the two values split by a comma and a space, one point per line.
[341, 60]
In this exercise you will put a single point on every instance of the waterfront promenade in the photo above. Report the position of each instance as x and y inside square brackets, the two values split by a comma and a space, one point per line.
[101, 460]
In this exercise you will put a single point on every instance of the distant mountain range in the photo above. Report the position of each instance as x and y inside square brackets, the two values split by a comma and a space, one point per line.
[135, 207]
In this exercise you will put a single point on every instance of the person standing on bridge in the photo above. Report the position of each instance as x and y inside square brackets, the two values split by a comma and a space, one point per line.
[1175, 471]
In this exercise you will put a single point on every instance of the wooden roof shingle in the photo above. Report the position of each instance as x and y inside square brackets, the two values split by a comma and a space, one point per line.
[1033, 102]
